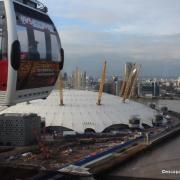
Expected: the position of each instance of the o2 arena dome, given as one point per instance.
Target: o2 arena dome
(80, 111)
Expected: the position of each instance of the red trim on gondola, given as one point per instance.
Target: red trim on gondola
(3, 74)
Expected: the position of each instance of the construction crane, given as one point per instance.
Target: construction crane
(101, 87)
(131, 82)
(61, 87)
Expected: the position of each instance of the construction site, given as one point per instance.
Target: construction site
(84, 155)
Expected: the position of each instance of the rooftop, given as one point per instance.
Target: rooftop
(81, 112)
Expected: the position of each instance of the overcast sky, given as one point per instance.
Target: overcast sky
(143, 31)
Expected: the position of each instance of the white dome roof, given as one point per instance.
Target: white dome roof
(81, 112)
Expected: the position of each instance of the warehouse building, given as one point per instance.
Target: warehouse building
(19, 129)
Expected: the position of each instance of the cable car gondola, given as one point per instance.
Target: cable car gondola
(31, 55)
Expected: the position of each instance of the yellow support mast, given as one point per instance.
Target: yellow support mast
(61, 87)
(130, 83)
(123, 87)
(138, 68)
(101, 88)
(127, 71)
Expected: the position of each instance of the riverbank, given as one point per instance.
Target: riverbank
(118, 154)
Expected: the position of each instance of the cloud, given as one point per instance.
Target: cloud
(155, 16)
(125, 30)
(86, 49)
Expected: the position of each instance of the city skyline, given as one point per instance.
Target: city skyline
(146, 32)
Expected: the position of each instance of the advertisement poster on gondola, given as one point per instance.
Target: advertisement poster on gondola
(40, 50)
(36, 74)
(39, 53)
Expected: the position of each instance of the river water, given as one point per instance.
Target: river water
(152, 163)
(165, 156)
(173, 105)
